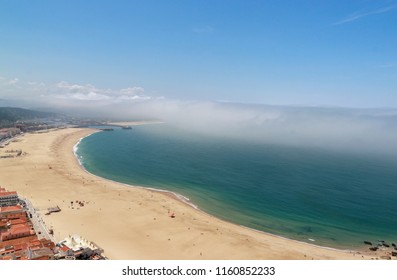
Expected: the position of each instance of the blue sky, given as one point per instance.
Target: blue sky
(314, 53)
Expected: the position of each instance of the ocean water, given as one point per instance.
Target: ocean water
(335, 199)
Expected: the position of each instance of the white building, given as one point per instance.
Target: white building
(80, 246)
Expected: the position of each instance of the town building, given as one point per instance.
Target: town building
(35, 249)
(8, 198)
(79, 248)
(18, 240)
(12, 212)
(17, 231)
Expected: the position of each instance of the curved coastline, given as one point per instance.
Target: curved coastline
(134, 223)
(76, 147)
(187, 200)
(175, 195)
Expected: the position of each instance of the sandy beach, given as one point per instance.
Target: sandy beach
(132, 222)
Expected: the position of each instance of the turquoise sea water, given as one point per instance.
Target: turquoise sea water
(337, 199)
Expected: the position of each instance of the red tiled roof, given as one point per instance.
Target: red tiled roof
(34, 243)
(10, 208)
(20, 228)
(4, 193)
(19, 247)
(18, 221)
(64, 248)
(23, 241)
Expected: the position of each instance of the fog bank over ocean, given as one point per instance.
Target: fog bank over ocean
(369, 130)
(372, 130)
(353, 129)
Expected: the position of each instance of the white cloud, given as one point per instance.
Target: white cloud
(90, 92)
(133, 97)
(132, 91)
(33, 83)
(74, 88)
(13, 81)
(360, 14)
(70, 93)
(89, 96)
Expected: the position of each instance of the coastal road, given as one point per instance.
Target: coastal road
(37, 221)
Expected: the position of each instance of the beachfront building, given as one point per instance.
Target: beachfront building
(8, 198)
(12, 212)
(65, 252)
(18, 240)
(18, 221)
(23, 220)
(79, 247)
(17, 231)
(14, 221)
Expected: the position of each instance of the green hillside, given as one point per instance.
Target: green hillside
(9, 115)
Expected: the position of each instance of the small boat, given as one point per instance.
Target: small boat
(126, 127)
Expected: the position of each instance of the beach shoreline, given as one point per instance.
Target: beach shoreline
(186, 200)
(143, 228)
(171, 194)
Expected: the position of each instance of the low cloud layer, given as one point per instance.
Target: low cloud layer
(369, 130)
(65, 93)
(89, 92)
(362, 130)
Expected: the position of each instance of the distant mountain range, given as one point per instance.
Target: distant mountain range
(10, 115)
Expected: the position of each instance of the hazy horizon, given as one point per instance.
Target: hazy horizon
(327, 72)
(344, 129)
